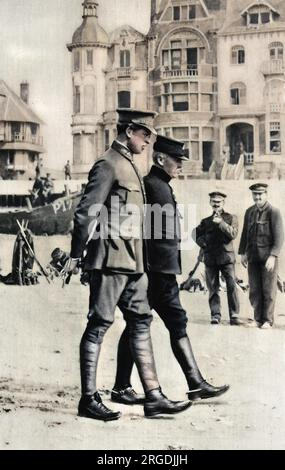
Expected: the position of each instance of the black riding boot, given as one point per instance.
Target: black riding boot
(155, 403)
(122, 391)
(198, 387)
(90, 405)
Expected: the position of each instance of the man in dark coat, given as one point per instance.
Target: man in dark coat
(110, 219)
(215, 236)
(164, 262)
(261, 242)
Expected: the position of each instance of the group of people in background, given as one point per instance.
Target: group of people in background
(260, 246)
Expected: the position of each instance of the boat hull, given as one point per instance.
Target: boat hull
(53, 219)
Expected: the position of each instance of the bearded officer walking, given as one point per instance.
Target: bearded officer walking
(261, 242)
(164, 263)
(215, 236)
(116, 265)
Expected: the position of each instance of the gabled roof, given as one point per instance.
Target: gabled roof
(12, 108)
(127, 31)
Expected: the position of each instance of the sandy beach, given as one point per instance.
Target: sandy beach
(41, 327)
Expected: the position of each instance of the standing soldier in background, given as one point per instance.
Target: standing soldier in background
(164, 263)
(115, 260)
(261, 242)
(215, 236)
(67, 170)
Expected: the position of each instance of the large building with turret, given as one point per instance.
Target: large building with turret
(213, 70)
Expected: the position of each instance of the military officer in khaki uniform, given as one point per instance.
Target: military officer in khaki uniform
(215, 236)
(110, 216)
(261, 242)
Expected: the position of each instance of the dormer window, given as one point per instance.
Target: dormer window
(259, 13)
(254, 18)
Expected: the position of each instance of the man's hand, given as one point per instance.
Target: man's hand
(270, 264)
(70, 267)
(217, 219)
(244, 261)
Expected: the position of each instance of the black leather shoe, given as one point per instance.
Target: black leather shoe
(127, 396)
(92, 407)
(156, 403)
(206, 390)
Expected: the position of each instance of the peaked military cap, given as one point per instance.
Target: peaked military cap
(142, 119)
(171, 147)
(218, 195)
(259, 188)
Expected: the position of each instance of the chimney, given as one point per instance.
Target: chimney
(24, 92)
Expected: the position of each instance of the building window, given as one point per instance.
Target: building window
(192, 12)
(238, 55)
(125, 58)
(176, 59)
(89, 57)
(76, 104)
(184, 96)
(34, 128)
(176, 13)
(182, 134)
(76, 61)
(165, 59)
(276, 51)
(265, 17)
(238, 94)
(89, 101)
(253, 18)
(180, 103)
(124, 99)
(107, 139)
(275, 137)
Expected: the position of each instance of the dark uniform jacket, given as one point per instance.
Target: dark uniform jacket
(262, 233)
(217, 240)
(163, 230)
(115, 183)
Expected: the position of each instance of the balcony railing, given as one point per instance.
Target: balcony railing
(272, 67)
(33, 139)
(202, 70)
(124, 72)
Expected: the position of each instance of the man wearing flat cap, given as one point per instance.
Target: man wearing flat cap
(109, 219)
(215, 236)
(164, 263)
(261, 242)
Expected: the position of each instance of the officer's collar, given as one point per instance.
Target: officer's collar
(263, 208)
(160, 173)
(122, 149)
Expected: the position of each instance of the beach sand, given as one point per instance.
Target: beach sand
(40, 331)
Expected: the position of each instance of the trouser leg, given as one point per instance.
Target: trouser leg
(269, 282)
(228, 271)
(256, 296)
(213, 284)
